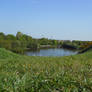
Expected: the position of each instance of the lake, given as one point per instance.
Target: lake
(51, 52)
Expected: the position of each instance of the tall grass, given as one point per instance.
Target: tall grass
(45, 74)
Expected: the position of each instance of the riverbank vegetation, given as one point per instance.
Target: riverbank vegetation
(22, 42)
(19, 73)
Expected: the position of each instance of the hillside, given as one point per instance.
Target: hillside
(20, 73)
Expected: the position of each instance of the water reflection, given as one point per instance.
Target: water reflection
(51, 52)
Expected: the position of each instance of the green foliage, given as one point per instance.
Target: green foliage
(22, 42)
(19, 35)
(19, 43)
(43, 41)
(2, 36)
(10, 37)
(45, 74)
(33, 44)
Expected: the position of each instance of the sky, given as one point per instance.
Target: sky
(53, 19)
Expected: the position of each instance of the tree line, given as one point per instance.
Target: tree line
(21, 42)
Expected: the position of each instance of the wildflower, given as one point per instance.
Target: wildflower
(5, 80)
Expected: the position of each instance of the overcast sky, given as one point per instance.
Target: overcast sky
(56, 19)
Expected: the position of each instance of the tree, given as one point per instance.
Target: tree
(2, 36)
(18, 46)
(19, 35)
(43, 41)
(10, 37)
(33, 44)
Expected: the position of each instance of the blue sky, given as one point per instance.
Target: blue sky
(56, 19)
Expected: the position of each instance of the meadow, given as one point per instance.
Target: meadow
(20, 73)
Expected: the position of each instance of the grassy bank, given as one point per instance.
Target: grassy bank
(45, 74)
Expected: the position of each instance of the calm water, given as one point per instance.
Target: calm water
(51, 52)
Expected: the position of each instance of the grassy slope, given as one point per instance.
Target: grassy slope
(45, 74)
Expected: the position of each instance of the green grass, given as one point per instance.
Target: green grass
(45, 74)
